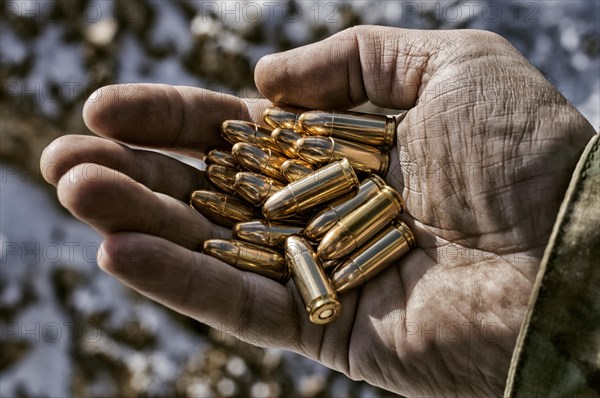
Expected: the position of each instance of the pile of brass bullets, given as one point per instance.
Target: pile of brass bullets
(292, 195)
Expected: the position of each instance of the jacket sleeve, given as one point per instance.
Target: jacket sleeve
(558, 348)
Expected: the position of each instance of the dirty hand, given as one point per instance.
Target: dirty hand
(482, 159)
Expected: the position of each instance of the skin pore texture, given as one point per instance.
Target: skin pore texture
(483, 159)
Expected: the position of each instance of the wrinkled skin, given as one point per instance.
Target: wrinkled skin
(485, 156)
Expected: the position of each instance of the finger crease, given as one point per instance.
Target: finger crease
(182, 119)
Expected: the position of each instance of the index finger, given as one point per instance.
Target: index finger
(178, 118)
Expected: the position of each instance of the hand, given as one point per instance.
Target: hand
(483, 159)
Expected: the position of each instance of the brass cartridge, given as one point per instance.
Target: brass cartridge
(306, 193)
(264, 232)
(311, 281)
(285, 139)
(255, 188)
(235, 131)
(260, 160)
(249, 257)
(335, 211)
(330, 265)
(286, 118)
(222, 177)
(387, 247)
(295, 169)
(223, 158)
(356, 228)
(222, 209)
(364, 158)
(364, 128)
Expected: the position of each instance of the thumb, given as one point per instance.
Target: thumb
(383, 65)
(390, 67)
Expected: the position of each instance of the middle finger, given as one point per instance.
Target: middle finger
(112, 202)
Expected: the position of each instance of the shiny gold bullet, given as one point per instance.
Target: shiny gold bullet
(264, 232)
(249, 257)
(222, 177)
(222, 209)
(325, 184)
(285, 139)
(259, 160)
(364, 128)
(384, 249)
(295, 169)
(222, 158)
(255, 188)
(286, 118)
(235, 131)
(356, 228)
(330, 265)
(364, 158)
(320, 299)
(335, 211)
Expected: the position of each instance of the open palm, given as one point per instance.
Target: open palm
(483, 158)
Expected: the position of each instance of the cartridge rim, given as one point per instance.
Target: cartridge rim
(286, 276)
(396, 198)
(385, 163)
(324, 309)
(406, 232)
(377, 180)
(390, 131)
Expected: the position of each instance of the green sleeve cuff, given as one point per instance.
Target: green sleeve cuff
(558, 348)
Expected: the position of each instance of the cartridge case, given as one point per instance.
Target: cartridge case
(222, 177)
(264, 232)
(249, 257)
(323, 185)
(364, 158)
(387, 247)
(285, 139)
(235, 131)
(320, 299)
(298, 219)
(356, 228)
(220, 157)
(330, 265)
(255, 188)
(222, 209)
(295, 169)
(286, 118)
(365, 128)
(335, 211)
(260, 160)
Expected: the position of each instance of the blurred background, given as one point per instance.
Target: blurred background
(66, 328)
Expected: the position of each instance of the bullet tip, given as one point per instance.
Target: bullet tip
(347, 276)
(337, 243)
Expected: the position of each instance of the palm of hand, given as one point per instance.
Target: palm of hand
(483, 159)
(482, 196)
